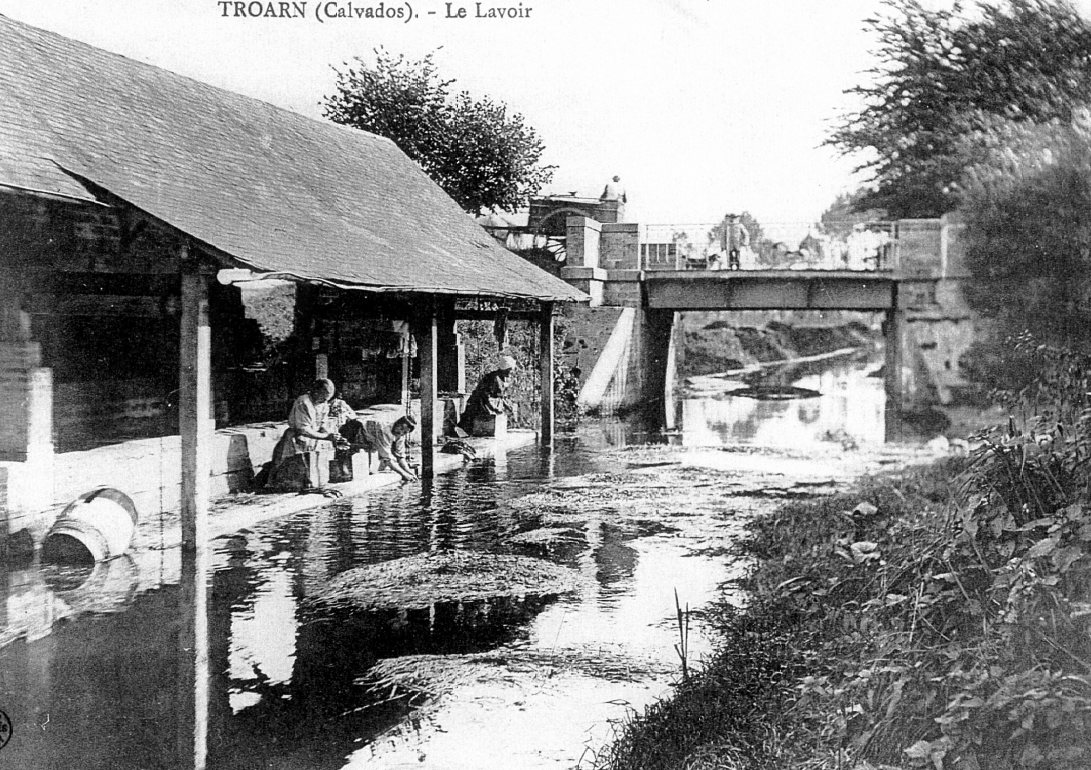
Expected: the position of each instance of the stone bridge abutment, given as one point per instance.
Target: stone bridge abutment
(926, 324)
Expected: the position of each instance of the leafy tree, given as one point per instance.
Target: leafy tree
(941, 75)
(846, 212)
(481, 154)
(1028, 228)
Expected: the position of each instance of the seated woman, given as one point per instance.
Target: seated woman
(298, 458)
(387, 441)
(487, 400)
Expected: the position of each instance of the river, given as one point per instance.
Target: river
(90, 672)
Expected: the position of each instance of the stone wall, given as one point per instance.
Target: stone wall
(619, 248)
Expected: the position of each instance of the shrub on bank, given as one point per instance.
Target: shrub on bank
(938, 617)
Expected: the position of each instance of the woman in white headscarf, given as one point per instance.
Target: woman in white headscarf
(487, 400)
(298, 455)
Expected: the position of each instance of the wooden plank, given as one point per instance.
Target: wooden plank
(488, 315)
(545, 363)
(194, 399)
(97, 305)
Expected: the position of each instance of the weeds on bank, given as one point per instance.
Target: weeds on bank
(938, 618)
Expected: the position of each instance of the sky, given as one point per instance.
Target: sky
(701, 106)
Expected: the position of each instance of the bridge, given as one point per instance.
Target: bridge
(770, 290)
(916, 283)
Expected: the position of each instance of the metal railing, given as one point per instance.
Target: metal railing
(778, 245)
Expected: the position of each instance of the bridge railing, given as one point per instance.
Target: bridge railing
(777, 245)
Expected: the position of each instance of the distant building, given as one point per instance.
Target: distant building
(549, 213)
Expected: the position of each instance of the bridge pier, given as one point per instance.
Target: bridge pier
(654, 334)
(895, 342)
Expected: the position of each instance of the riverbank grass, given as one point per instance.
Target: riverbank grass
(934, 617)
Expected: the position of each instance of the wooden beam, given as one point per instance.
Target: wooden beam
(406, 400)
(545, 361)
(451, 353)
(192, 702)
(429, 387)
(97, 305)
(194, 400)
(488, 315)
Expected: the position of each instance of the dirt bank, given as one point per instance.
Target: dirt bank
(718, 342)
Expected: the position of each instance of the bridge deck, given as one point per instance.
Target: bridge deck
(770, 290)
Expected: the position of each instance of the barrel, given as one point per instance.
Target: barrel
(96, 526)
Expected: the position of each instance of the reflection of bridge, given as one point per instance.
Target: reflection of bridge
(920, 288)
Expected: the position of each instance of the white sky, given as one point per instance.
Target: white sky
(702, 106)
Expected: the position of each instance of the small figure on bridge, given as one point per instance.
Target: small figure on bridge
(614, 191)
(734, 241)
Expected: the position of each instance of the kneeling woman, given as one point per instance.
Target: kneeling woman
(298, 458)
(391, 444)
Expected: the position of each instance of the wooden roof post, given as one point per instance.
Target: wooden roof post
(546, 364)
(192, 705)
(194, 401)
(425, 323)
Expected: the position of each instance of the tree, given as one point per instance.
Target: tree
(1026, 204)
(847, 211)
(942, 75)
(481, 154)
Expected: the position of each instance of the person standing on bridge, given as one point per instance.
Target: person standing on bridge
(734, 241)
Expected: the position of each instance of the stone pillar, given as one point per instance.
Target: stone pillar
(620, 246)
(654, 329)
(675, 351)
(582, 242)
(546, 357)
(894, 341)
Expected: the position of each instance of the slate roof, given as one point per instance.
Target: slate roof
(276, 191)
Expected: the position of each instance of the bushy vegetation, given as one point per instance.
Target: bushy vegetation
(1027, 236)
(940, 75)
(939, 617)
(482, 154)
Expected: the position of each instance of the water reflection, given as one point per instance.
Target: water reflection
(106, 668)
(850, 409)
(98, 666)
